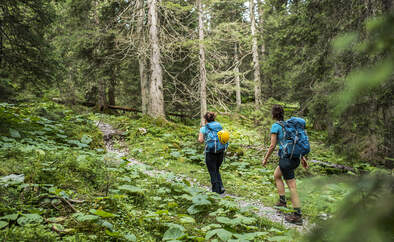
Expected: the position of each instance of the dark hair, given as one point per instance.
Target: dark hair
(278, 112)
(210, 116)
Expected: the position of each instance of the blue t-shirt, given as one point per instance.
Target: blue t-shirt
(277, 129)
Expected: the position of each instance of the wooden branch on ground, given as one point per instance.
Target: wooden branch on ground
(138, 111)
(332, 165)
(88, 104)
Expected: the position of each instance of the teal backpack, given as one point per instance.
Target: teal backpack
(212, 144)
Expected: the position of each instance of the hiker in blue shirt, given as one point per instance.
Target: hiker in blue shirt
(213, 158)
(285, 169)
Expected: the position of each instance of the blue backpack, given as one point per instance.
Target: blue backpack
(212, 144)
(295, 141)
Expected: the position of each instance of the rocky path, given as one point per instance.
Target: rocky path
(270, 213)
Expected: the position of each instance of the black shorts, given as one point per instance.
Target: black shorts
(287, 167)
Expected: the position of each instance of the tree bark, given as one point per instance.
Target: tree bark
(256, 66)
(203, 72)
(102, 97)
(112, 88)
(261, 25)
(156, 104)
(237, 79)
(141, 57)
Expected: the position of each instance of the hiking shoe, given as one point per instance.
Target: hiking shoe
(294, 218)
(222, 190)
(280, 204)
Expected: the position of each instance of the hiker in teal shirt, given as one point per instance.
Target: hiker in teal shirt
(213, 160)
(285, 169)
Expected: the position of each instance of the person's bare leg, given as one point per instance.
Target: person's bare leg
(279, 182)
(293, 193)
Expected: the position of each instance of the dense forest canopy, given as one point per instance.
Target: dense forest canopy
(169, 62)
(101, 52)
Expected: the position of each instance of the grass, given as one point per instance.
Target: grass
(73, 191)
(174, 147)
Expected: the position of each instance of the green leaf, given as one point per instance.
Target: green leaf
(221, 233)
(112, 234)
(81, 217)
(174, 232)
(279, 238)
(102, 213)
(10, 217)
(194, 209)
(107, 225)
(86, 139)
(3, 224)
(58, 227)
(250, 236)
(29, 219)
(187, 220)
(201, 200)
(14, 133)
(130, 237)
(224, 220)
(131, 189)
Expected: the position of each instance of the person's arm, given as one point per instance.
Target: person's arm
(201, 137)
(271, 149)
(304, 163)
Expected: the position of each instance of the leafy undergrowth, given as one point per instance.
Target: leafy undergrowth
(174, 147)
(57, 183)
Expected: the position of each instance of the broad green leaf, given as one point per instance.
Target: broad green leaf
(131, 189)
(187, 220)
(279, 238)
(224, 220)
(130, 237)
(12, 179)
(250, 236)
(112, 234)
(102, 213)
(14, 133)
(29, 219)
(201, 200)
(86, 139)
(58, 227)
(221, 233)
(107, 225)
(81, 217)
(3, 224)
(173, 233)
(194, 210)
(10, 217)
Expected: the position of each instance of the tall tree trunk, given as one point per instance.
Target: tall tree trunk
(156, 104)
(203, 72)
(142, 58)
(102, 104)
(261, 25)
(112, 87)
(237, 79)
(256, 66)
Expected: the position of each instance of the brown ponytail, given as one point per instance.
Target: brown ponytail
(210, 116)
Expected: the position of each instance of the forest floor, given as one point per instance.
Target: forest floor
(268, 212)
(66, 175)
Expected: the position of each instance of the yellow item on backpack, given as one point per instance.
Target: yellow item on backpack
(224, 136)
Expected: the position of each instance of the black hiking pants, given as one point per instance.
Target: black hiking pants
(214, 161)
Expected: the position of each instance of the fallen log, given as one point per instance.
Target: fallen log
(138, 111)
(88, 104)
(332, 165)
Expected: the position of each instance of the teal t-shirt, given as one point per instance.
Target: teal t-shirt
(277, 129)
(203, 130)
